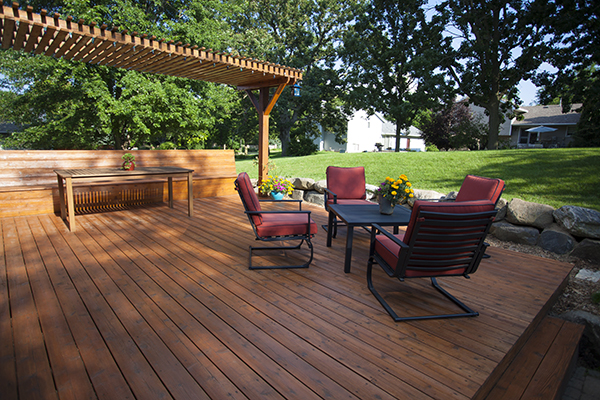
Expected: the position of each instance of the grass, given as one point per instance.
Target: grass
(555, 177)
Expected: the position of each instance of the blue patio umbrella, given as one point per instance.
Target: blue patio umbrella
(541, 129)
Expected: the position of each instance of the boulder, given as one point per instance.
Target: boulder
(522, 212)
(371, 192)
(425, 195)
(579, 221)
(587, 249)
(315, 197)
(450, 196)
(501, 206)
(298, 194)
(556, 239)
(303, 183)
(513, 233)
(320, 186)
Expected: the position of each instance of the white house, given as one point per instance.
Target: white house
(366, 132)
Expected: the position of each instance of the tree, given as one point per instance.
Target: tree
(392, 54)
(303, 34)
(67, 104)
(454, 128)
(497, 44)
(574, 33)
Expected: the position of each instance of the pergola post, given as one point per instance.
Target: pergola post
(264, 106)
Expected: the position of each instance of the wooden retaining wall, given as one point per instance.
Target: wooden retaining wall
(29, 186)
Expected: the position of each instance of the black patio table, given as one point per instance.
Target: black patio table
(363, 215)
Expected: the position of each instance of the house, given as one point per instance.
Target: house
(544, 126)
(371, 133)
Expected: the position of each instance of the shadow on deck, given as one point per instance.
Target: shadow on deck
(147, 303)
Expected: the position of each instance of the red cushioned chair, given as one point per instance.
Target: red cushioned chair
(441, 240)
(345, 186)
(480, 188)
(271, 226)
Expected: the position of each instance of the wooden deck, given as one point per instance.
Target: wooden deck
(149, 304)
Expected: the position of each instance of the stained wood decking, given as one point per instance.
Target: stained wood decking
(149, 304)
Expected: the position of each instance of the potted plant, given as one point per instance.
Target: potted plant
(276, 187)
(128, 162)
(392, 192)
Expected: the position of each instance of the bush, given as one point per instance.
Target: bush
(431, 147)
(302, 146)
(167, 146)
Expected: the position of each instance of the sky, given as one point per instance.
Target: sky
(527, 93)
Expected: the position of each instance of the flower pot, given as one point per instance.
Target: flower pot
(128, 166)
(276, 196)
(385, 206)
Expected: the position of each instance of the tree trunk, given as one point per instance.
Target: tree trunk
(494, 124)
(284, 136)
(398, 134)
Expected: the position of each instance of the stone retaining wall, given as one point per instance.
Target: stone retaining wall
(567, 230)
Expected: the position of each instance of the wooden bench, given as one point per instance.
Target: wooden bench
(542, 367)
(29, 185)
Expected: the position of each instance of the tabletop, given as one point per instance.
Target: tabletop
(366, 214)
(111, 172)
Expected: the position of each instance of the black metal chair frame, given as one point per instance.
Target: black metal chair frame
(424, 252)
(303, 238)
(335, 219)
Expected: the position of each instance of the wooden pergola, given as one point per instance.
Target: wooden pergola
(52, 36)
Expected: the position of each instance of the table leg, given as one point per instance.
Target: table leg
(61, 197)
(349, 238)
(170, 179)
(70, 203)
(190, 194)
(329, 230)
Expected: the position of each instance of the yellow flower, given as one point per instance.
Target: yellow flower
(404, 177)
(395, 186)
(407, 190)
(408, 184)
(399, 182)
(394, 193)
(411, 195)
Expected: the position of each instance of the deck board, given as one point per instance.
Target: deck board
(149, 303)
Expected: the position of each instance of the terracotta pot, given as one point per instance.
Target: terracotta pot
(128, 166)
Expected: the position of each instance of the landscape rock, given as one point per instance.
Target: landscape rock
(522, 212)
(556, 239)
(371, 189)
(450, 196)
(298, 194)
(513, 233)
(425, 195)
(303, 183)
(579, 221)
(501, 206)
(587, 249)
(591, 333)
(314, 197)
(320, 186)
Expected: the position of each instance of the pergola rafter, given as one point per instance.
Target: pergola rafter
(50, 35)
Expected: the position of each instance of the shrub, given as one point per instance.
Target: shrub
(302, 146)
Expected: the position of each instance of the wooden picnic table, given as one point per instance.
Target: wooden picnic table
(67, 176)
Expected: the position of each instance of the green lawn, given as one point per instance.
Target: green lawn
(549, 176)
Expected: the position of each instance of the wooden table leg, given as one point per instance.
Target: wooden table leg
(70, 203)
(170, 191)
(61, 197)
(190, 194)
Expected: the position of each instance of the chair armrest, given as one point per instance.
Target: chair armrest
(327, 191)
(377, 227)
(283, 201)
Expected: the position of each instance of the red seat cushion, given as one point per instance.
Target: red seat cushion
(285, 225)
(480, 188)
(246, 191)
(346, 183)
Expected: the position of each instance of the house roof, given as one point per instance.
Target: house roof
(548, 115)
(47, 34)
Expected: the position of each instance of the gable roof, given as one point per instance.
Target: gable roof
(548, 115)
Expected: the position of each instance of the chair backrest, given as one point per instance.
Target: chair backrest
(244, 187)
(347, 183)
(445, 238)
(480, 188)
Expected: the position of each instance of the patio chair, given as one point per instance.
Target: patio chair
(344, 186)
(269, 226)
(480, 188)
(441, 240)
